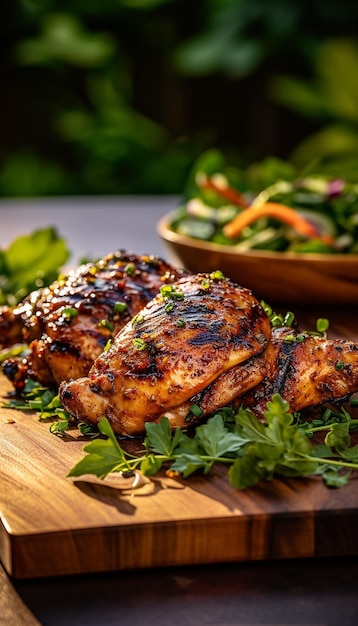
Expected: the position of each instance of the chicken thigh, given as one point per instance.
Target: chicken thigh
(192, 333)
(68, 324)
(306, 370)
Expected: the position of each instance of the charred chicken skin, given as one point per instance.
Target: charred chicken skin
(206, 342)
(68, 324)
(133, 338)
(188, 345)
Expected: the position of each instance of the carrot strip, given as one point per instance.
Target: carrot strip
(231, 194)
(270, 209)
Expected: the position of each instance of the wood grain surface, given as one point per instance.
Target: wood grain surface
(53, 525)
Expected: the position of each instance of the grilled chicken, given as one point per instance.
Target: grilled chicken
(68, 324)
(190, 344)
(133, 338)
(221, 392)
(306, 370)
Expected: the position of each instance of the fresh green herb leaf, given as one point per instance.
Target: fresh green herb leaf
(215, 439)
(151, 464)
(59, 428)
(332, 477)
(252, 450)
(338, 436)
(88, 430)
(46, 402)
(104, 456)
(350, 454)
(186, 464)
(161, 439)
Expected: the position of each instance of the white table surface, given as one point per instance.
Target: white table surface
(92, 226)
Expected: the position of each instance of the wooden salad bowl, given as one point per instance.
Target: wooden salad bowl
(276, 277)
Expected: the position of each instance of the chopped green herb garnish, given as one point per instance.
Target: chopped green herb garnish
(88, 430)
(45, 401)
(139, 344)
(277, 319)
(69, 312)
(59, 428)
(137, 319)
(322, 325)
(205, 283)
(196, 410)
(108, 345)
(130, 269)
(168, 291)
(106, 324)
(339, 365)
(217, 275)
(120, 307)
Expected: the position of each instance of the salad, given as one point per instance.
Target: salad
(269, 207)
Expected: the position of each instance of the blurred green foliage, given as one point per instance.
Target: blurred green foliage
(31, 262)
(121, 96)
(331, 96)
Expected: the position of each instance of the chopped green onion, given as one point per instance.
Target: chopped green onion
(69, 312)
(139, 344)
(196, 410)
(168, 291)
(106, 324)
(137, 319)
(130, 269)
(217, 275)
(322, 325)
(120, 307)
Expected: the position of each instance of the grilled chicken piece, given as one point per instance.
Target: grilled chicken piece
(306, 371)
(221, 392)
(69, 323)
(180, 345)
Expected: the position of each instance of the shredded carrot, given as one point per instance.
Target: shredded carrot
(231, 194)
(251, 213)
(270, 209)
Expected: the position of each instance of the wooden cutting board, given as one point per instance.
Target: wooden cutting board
(52, 525)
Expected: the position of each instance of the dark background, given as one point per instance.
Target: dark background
(122, 96)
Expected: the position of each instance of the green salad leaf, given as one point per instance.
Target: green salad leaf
(218, 193)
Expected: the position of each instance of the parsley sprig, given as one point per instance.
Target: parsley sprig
(46, 402)
(253, 451)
